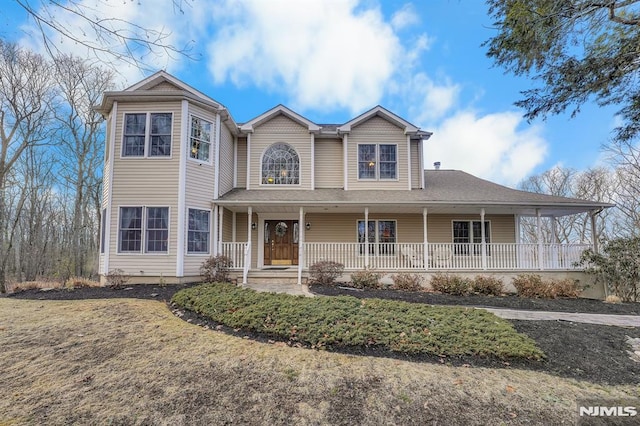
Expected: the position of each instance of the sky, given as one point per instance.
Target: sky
(330, 60)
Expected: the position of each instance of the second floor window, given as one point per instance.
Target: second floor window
(280, 165)
(200, 139)
(377, 161)
(147, 135)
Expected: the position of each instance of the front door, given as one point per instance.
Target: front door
(281, 242)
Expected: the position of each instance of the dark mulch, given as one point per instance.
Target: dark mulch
(594, 353)
(508, 301)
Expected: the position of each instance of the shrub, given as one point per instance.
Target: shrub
(80, 282)
(408, 282)
(216, 269)
(612, 298)
(450, 284)
(617, 267)
(325, 272)
(116, 278)
(531, 285)
(487, 284)
(365, 279)
(565, 288)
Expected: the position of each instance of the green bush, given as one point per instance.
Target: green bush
(451, 284)
(488, 285)
(365, 279)
(325, 272)
(407, 282)
(348, 322)
(617, 267)
(216, 269)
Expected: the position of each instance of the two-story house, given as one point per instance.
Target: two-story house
(183, 181)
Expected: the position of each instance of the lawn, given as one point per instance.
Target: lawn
(349, 323)
(129, 361)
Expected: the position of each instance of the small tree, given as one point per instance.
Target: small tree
(216, 269)
(617, 267)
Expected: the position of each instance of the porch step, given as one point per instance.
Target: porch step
(275, 276)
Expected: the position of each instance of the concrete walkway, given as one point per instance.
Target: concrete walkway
(602, 319)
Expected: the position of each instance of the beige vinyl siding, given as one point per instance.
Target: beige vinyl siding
(281, 129)
(415, 165)
(377, 130)
(226, 160)
(440, 227)
(241, 227)
(337, 227)
(145, 182)
(165, 86)
(227, 225)
(242, 163)
(328, 163)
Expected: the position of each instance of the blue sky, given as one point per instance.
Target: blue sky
(330, 60)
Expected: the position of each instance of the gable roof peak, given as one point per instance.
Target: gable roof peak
(380, 111)
(274, 112)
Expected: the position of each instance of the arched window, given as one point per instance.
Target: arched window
(280, 165)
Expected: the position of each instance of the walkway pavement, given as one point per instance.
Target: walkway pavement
(602, 319)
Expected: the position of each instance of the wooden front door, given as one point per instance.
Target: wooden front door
(281, 242)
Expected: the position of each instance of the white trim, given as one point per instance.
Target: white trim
(301, 239)
(195, 253)
(539, 238)
(112, 148)
(216, 180)
(425, 249)
(483, 239)
(147, 136)
(182, 189)
(214, 235)
(313, 164)
(366, 236)
(249, 231)
(517, 223)
(221, 227)
(286, 185)
(377, 178)
(345, 153)
(235, 161)
(409, 170)
(248, 185)
(421, 162)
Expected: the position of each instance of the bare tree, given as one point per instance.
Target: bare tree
(110, 40)
(625, 155)
(26, 91)
(80, 140)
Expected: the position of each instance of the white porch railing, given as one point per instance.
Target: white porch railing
(235, 252)
(445, 256)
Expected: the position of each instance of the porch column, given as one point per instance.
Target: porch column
(539, 238)
(247, 257)
(425, 244)
(220, 223)
(214, 244)
(555, 260)
(483, 241)
(366, 237)
(518, 239)
(301, 238)
(594, 232)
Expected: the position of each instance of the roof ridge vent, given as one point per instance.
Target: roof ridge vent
(436, 165)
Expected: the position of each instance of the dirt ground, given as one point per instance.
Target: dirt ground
(594, 353)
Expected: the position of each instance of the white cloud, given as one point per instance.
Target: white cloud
(338, 54)
(493, 146)
(428, 100)
(405, 17)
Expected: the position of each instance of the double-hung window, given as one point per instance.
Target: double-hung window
(377, 161)
(382, 236)
(467, 233)
(199, 229)
(200, 139)
(147, 135)
(146, 227)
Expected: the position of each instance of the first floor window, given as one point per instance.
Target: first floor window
(200, 139)
(198, 235)
(468, 232)
(150, 224)
(157, 229)
(382, 236)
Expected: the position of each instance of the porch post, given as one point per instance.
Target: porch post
(220, 220)
(555, 261)
(425, 244)
(483, 241)
(539, 238)
(301, 238)
(594, 232)
(366, 237)
(247, 257)
(518, 222)
(214, 245)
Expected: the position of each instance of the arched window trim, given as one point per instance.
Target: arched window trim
(292, 167)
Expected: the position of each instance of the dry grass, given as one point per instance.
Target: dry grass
(13, 287)
(133, 362)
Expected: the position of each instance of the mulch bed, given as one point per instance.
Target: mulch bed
(595, 353)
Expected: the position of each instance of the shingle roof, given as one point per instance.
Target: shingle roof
(443, 187)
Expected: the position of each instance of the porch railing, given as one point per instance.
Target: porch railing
(236, 253)
(446, 256)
